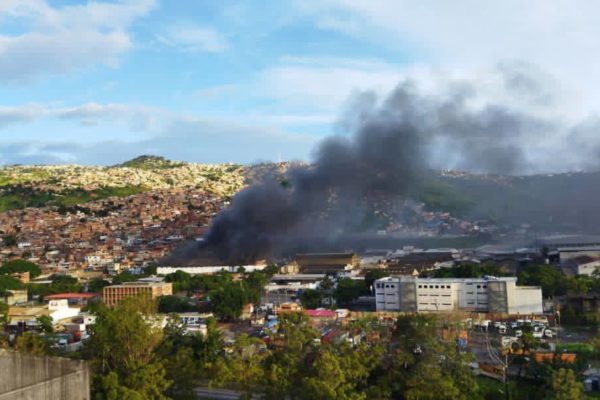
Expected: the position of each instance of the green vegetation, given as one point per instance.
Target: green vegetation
(7, 282)
(18, 265)
(122, 351)
(469, 270)
(565, 385)
(17, 197)
(59, 284)
(174, 304)
(227, 297)
(439, 196)
(348, 290)
(96, 285)
(149, 162)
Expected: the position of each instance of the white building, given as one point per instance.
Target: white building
(208, 270)
(490, 294)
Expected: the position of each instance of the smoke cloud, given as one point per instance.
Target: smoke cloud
(384, 150)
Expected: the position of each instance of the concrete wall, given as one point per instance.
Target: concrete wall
(498, 297)
(527, 300)
(26, 377)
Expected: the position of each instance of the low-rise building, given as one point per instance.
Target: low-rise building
(580, 265)
(490, 294)
(322, 263)
(14, 297)
(115, 293)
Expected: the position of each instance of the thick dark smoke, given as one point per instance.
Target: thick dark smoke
(388, 150)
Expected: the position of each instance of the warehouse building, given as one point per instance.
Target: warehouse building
(489, 294)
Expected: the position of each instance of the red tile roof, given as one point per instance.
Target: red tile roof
(320, 313)
(60, 296)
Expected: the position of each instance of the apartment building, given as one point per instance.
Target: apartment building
(115, 293)
(489, 294)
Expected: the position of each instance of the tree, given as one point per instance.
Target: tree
(311, 298)
(371, 276)
(19, 265)
(121, 349)
(341, 372)
(348, 290)
(228, 301)
(46, 324)
(174, 304)
(552, 281)
(427, 366)
(565, 385)
(123, 277)
(181, 281)
(271, 270)
(7, 283)
(242, 364)
(256, 282)
(32, 343)
(96, 285)
(292, 348)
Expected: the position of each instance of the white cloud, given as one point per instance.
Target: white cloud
(194, 39)
(324, 83)
(21, 114)
(559, 36)
(62, 39)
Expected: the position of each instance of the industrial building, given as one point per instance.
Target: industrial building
(490, 294)
(323, 263)
(115, 293)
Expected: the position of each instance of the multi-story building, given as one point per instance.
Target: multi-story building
(489, 294)
(115, 293)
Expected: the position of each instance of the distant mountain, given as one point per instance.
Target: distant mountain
(150, 162)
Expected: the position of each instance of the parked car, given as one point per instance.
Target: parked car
(518, 333)
(549, 333)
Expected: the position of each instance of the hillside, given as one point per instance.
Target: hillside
(38, 186)
(560, 202)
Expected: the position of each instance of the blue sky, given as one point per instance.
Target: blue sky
(243, 81)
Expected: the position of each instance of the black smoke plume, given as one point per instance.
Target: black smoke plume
(386, 151)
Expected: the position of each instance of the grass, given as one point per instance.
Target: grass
(575, 348)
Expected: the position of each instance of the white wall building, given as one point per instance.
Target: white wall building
(208, 270)
(498, 295)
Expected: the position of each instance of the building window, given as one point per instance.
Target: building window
(485, 286)
(478, 286)
(420, 286)
(437, 286)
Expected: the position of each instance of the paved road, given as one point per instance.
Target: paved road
(217, 394)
